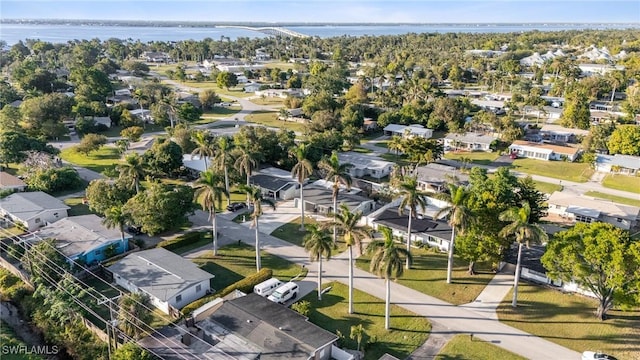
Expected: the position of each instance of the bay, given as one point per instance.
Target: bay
(55, 33)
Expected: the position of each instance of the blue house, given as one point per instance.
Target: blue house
(84, 238)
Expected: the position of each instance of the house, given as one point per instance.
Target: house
(543, 151)
(495, 106)
(102, 120)
(142, 114)
(598, 69)
(366, 165)
(195, 164)
(84, 238)
(434, 177)
(252, 87)
(411, 130)
(318, 199)
(560, 134)
(588, 209)
(369, 125)
(154, 56)
(424, 229)
(122, 92)
(10, 182)
(622, 164)
(275, 187)
(170, 281)
(469, 141)
(32, 209)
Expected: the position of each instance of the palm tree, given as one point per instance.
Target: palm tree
(222, 160)
(353, 234)
(318, 244)
(301, 171)
(524, 232)
(412, 198)
(396, 143)
(133, 314)
(115, 218)
(254, 194)
(203, 148)
(133, 168)
(459, 217)
(386, 262)
(209, 193)
(246, 161)
(338, 174)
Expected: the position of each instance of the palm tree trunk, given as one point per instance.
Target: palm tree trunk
(387, 304)
(226, 184)
(409, 238)
(350, 279)
(516, 279)
(257, 246)
(248, 184)
(137, 184)
(214, 231)
(450, 257)
(335, 212)
(301, 208)
(205, 162)
(320, 277)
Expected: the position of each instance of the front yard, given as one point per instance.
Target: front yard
(98, 161)
(291, 232)
(270, 119)
(562, 170)
(461, 347)
(622, 182)
(474, 157)
(616, 199)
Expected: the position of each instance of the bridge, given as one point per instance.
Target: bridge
(269, 30)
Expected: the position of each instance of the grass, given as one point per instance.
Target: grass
(361, 150)
(476, 157)
(290, 232)
(205, 239)
(382, 144)
(547, 188)
(77, 207)
(114, 131)
(622, 182)
(10, 340)
(268, 101)
(428, 275)
(398, 159)
(563, 170)
(461, 347)
(235, 262)
(408, 330)
(211, 84)
(270, 118)
(97, 161)
(216, 113)
(616, 199)
(569, 320)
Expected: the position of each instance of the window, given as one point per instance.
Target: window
(37, 221)
(619, 219)
(198, 288)
(178, 298)
(584, 219)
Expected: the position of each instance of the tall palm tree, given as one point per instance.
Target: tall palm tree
(301, 171)
(338, 174)
(318, 244)
(353, 234)
(396, 143)
(115, 219)
(256, 200)
(222, 160)
(459, 217)
(209, 192)
(133, 168)
(386, 262)
(246, 161)
(412, 198)
(525, 232)
(204, 147)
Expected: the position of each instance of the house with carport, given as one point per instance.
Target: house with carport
(543, 151)
(469, 141)
(572, 208)
(618, 164)
(32, 210)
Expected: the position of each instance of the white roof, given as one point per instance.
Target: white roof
(414, 129)
(625, 161)
(471, 138)
(563, 130)
(274, 171)
(589, 206)
(27, 205)
(364, 161)
(488, 103)
(194, 162)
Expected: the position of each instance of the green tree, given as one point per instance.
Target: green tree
(209, 193)
(256, 200)
(54, 179)
(246, 161)
(625, 140)
(133, 169)
(116, 218)
(103, 194)
(600, 258)
(132, 133)
(134, 314)
(163, 158)
(90, 142)
(357, 333)
(301, 171)
(576, 112)
(187, 112)
(413, 199)
(130, 351)
(226, 80)
(337, 173)
(318, 244)
(525, 233)
(208, 98)
(40, 257)
(222, 160)
(386, 262)
(204, 147)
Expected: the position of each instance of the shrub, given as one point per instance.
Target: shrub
(180, 241)
(302, 307)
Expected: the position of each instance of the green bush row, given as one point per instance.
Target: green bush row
(180, 241)
(245, 285)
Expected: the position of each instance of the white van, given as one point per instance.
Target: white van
(284, 293)
(266, 287)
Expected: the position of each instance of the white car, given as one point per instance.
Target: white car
(594, 355)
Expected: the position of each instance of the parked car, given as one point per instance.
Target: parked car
(594, 355)
(284, 293)
(134, 230)
(235, 206)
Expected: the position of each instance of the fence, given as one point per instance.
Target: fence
(16, 271)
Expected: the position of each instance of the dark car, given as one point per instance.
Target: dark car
(134, 230)
(235, 206)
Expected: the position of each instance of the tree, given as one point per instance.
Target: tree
(301, 171)
(353, 234)
(163, 158)
(54, 179)
(133, 169)
(38, 259)
(222, 160)
(576, 111)
(187, 112)
(134, 314)
(625, 140)
(116, 218)
(254, 194)
(396, 143)
(208, 98)
(246, 161)
(413, 199)
(130, 351)
(204, 147)
(209, 194)
(525, 233)
(599, 257)
(132, 133)
(338, 173)
(318, 244)
(103, 194)
(226, 80)
(357, 333)
(386, 262)
(90, 142)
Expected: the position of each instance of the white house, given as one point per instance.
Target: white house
(496, 106)
(275, 187)
(411, 130)
(623, 164)
(122, 92)
(32, 209)
(319, 199)
(424, 229)
(142, 114)
(588, 209)
(366, 165)
(469, 141)
(598, 69)
(252, 87)
(557, 133)
(434, 177)
(10, 182)
(170, 281)
(543, 151)
(195, 164)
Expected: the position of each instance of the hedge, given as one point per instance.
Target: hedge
(245, 285)
(180, 241)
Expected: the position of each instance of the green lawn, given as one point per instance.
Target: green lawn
(622, 182)
(216, 113)
(398, 159)
(382, 144)
(270, 118)
(461, 347)
(428, 275)
(235, 262)
(97, 161)
(291, 232)
(547, 188)
(569, 320)
(235, 91)
(268, 101)
(476, 157)
(617, 199)
(9, 339)
(205, 239)
(408, 330)
(114, 131)
(77, 207)
(563, 170)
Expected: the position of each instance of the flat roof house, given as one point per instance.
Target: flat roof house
(404, 130)
(469, 141)
(434, 177)
(543, 151)
(10, 182)
(366, 165)
(622, 164)
(33, 209)
(170, 281)
(587, 209)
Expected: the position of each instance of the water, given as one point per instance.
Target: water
(12, 33)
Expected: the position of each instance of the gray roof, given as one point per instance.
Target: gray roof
(437, 173)
(269, 182)
(472, 138)
(364, 161)
(590, 206)
(426, 225)
(27, 205)
(625, 161)
(159, 272)
(321, 196)
(78, 234)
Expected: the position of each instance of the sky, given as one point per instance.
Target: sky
(351, 11)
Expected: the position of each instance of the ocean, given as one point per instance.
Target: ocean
(12, 33)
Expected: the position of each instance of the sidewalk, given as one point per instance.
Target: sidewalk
(490, 298)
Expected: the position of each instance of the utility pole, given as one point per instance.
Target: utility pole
(111, 327)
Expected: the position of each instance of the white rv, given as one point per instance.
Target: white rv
(266, 287)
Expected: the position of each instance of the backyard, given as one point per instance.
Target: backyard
(562, 170)
(622, 182)
(77, 207)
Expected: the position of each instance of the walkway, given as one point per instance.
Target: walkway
(490, 298)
